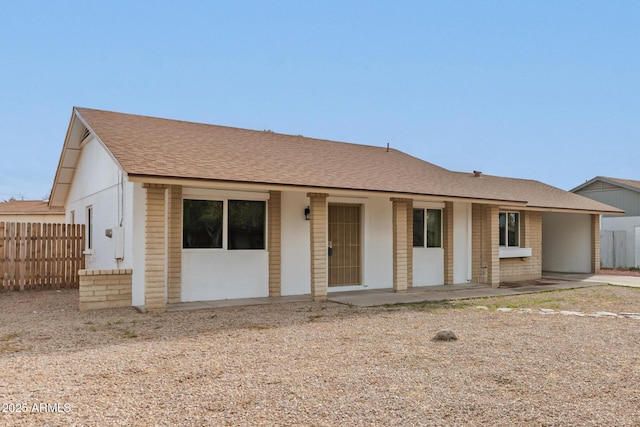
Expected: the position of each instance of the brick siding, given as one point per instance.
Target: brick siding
(274, 233)
(485, 260)
(528, 268)
(174, 245)
(409, 243)
(318, 232)
(400, 257)
(155, 256)
(104, 289)
(595, 243)
(447, 242)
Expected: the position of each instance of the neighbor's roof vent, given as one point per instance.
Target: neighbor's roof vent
(477, 174)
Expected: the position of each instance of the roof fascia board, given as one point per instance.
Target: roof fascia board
(247, 186)
(563, 210)
(65, 146)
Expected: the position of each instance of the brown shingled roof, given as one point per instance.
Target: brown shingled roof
(155, 147)
(627, 182)
(28, 207)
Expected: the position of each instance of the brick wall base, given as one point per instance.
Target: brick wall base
(104, 289)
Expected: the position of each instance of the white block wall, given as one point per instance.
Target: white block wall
(566, 242)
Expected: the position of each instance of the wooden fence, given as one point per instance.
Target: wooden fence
(40, 256)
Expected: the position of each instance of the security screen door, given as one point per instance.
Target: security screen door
(345, 242)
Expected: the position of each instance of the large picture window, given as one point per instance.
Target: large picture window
(509, 229)
(246, 224)
(202, 224)
(427, 228)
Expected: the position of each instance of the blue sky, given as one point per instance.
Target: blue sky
(545, 90)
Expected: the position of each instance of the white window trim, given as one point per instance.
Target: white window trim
(89, 220)
(434, 207)
(513, 251)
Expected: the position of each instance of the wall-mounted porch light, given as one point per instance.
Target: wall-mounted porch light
(307, 213)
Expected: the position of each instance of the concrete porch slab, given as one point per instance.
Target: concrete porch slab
(378, 297)
(199, 305)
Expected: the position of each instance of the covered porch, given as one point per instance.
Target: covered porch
(470, 247)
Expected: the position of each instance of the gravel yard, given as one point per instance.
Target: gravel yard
(322, 364)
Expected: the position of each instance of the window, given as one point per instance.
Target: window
(246, 224)
(418, 228)
(509, 229)
(434, 228)
(89, 225)
(427, 231)
(72, 217)
(202, 224)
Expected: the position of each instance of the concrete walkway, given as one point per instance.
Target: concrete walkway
(612, 279)
(377, 297)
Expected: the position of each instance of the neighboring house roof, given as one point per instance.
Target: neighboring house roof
(29, 207)
(629, 184)
(148, 147)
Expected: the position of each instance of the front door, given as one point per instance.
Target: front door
(345, 251)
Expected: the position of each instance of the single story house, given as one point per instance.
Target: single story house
(31, 211)
(180, 211)
(620, 235)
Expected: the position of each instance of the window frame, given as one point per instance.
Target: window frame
(229, 228)
(425, 228)
(225, 199)
(505, 235)
(89, 227)
(222, 220)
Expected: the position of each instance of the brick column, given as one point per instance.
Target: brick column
(273, 244)
(155, 251)
(447, 242)
(409, 243)
(595, 243)
(174, 245)
(318, 237)
(400, 257)
(491, 244)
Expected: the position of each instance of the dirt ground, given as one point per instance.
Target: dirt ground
(323, 364)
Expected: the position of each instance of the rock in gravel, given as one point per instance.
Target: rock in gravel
(605, 314)
(631, 315)
(572, 313)
(445, 335)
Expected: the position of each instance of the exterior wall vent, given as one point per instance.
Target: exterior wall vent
(85, 134)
